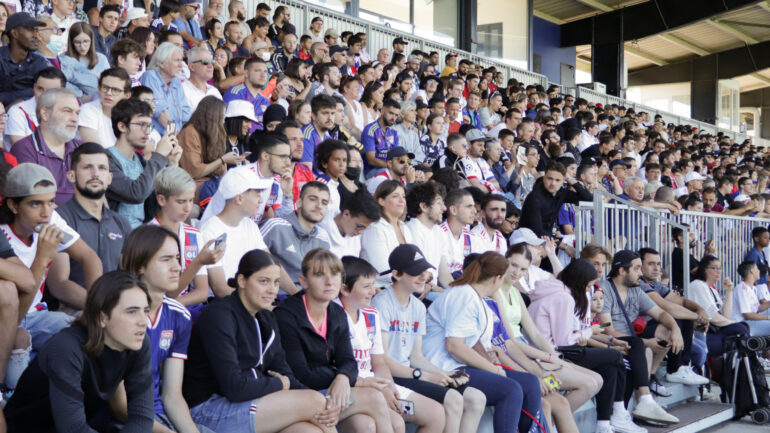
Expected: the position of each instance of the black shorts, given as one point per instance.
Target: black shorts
(428, 389)
(649, 330)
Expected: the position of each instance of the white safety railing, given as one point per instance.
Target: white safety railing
(380, 36)
(619, 224)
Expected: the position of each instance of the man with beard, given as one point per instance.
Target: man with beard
(378, 138)
(493, 208)
(103, 229)
(249, 91)
(459, 241)
(327, 82)
(19, 61)
(238, 15)
(234, 38)
(398, 168)
(188, 27)
(301, 173)
(425, 206)
(290, 239)
(323, 107)
(53, 141)
(132, 173)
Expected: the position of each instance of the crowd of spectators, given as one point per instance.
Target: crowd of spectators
(219, 222)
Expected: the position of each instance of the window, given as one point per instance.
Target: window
(490, 40)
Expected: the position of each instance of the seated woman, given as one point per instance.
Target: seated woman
(579, 383)
(79, 368)
(316, 338)
(560, 310)
(459, 335)
(364, 323)
(236, 378)
(747, 305)
(82, 65)
(704, 292)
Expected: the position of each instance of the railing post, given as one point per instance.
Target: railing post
(598, 219)
(306, 17)
(686, 261)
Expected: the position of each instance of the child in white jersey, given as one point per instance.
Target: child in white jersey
(366, 338)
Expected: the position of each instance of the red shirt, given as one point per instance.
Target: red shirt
(454, 126)
(302, 175)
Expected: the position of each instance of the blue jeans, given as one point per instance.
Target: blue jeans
(222, 415)
(509, 395)
(715, 340)
(43, 325)
(699, 349)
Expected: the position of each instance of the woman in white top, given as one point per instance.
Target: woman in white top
(357, 116)
(704, 292)
(459, 335)
(390, 231)
(371, 100)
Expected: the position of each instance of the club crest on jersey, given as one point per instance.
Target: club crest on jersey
(190, 252)
(165, 339)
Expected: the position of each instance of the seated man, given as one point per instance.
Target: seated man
(242, 192)
(397, 168)
(22, 117)
(748, 306)
(378, 138)
(290, 238)
(37, 233)
(344, 230)
(687, 313)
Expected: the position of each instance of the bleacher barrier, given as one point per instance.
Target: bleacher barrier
(619, 224)
(379, 36)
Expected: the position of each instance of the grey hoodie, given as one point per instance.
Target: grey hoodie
(289, 242)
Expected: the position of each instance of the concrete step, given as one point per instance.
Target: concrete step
(696, 416)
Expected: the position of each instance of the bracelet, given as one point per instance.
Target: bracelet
(612, 338)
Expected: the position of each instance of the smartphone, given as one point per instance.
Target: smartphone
(662, 343)
(407, 407)
(220, 240)
(171, 128)
(458, 374)
(66, 237)
(551, 381)
(605, 324)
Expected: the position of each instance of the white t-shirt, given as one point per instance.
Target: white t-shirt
(457, 312)
(19, 116)
(455, 250)
(240, 240)
(403, 324)
(430, 241)
(194, 94)
(340, 245)
(91, 116)
(534, 274)
(745, 300)
(366, 339)
(497, 244)
(26, 253)
(377, 242)
(708, 298)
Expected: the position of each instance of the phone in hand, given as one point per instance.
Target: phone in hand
(662, 343)
(220, 240)
(605, 324)
(66, 237)
(171, 128)
(407, 407)
(458, 374)
(551, 381)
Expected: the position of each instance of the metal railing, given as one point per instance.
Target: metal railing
(379, 36)
(618, 224)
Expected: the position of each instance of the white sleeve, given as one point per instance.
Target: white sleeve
(209, 232)
(373, 183)
(743, 301)
(698, 293)
(377, 348)
(59, 222)
(88, 116)
(472, 170)
(373, 247)
(17, 123)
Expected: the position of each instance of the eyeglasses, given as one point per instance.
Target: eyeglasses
(205, 62)
(145, 126)
(111, 90)
(286, 157)
(88, 42)
(405, 161)
(54, 30)
(220, 56)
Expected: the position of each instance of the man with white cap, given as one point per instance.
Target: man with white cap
(538, 248)
(201, 65)
(693, 182)
(135, 17)
(241, 192)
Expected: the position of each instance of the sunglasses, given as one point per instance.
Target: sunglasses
(204, 62)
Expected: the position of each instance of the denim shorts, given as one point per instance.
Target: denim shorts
(163, 419)
(224, 416)
(43, 325)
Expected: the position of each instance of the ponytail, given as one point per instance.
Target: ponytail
(488, 265)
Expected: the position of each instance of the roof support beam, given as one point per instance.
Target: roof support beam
(547, 17)
(645, 55)
(684, 44)
(733, 31)
(760, 77)
(596, 5)
(765, 5)
(649, 18)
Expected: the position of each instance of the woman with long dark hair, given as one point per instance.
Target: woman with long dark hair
(560, 309)
(73, 375)
(147, 38)
(237, 379)
(704, 292)
(372, 98)
(459, 336)
(203, 140)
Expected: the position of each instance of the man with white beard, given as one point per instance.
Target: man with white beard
(53, 141)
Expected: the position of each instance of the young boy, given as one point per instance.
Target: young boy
(747, 304)
(175, 192)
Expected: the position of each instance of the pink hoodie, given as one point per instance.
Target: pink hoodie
(553, 311)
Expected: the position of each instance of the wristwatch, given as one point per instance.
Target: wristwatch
(417, 373)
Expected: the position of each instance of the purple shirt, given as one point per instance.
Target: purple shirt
(33, 149)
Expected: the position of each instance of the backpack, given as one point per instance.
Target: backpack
(742, 378)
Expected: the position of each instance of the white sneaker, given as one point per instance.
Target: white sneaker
(651, 411)
(622, 423)
(604, 429)
(686, 376)
(765, 363)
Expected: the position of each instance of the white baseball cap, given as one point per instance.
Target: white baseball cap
(134, 14)
(240, 108)
(693, 175)
(239, 180)
(527, 236)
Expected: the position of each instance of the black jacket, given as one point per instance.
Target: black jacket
(541, 209)
(224, 354)
(315, 361)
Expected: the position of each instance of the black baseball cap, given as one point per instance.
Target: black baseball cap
(400, 40)
(407, 258)
(623, 258)
(398, 151)
(22, 19)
